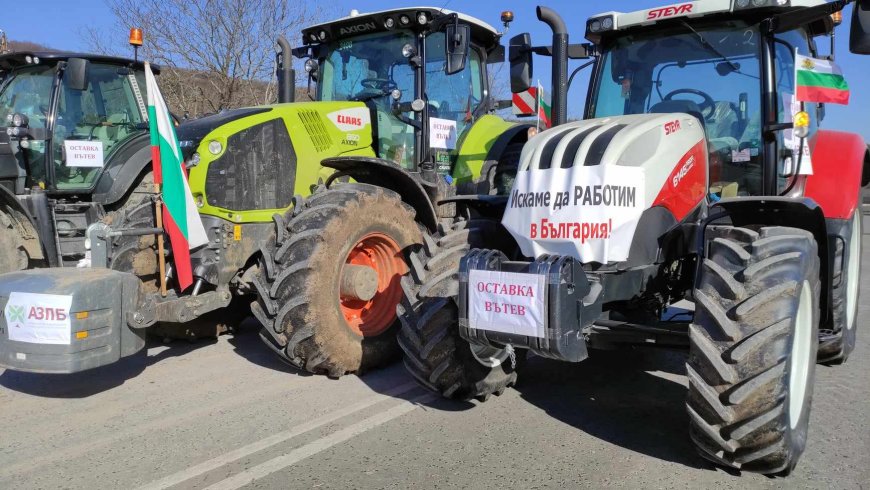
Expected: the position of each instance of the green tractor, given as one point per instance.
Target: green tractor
(74, 150)
(311, 208)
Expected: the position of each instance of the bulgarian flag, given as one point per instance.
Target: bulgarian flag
(181, 220)
(820, 81)
(543, 108)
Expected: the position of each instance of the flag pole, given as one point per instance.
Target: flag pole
(538, 106)
(161, 258)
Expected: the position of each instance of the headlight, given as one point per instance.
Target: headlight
(310, 65)
(408, 50)
(19, 120)
(215, 147)
(193, 161)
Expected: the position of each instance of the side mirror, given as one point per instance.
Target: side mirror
(859, 38)
(520, 57)
(76, 73)
(456, 47)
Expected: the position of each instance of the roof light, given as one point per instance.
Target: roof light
(354, 13)
(390, 22)
(404, 20)
(507, 17)
(601, 24)
(837, 17)
(28, 59)
(422, 18)
(313, 37)
(322, 35)
(135, 36)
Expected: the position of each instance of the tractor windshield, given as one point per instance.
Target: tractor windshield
(711, 73)
(369, 68)
(101, 118)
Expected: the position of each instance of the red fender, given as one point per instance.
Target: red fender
(838, 165)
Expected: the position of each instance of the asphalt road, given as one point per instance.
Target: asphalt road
(228, 415)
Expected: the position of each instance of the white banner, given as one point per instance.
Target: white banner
(507, 302)
(81, 153)
(791, 107)
(442, 134)
(589, 213)
(39, 318)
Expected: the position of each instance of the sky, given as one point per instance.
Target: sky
(60, 23)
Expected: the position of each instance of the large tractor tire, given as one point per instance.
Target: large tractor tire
(435, 354)
(13, 254)
(837, 340)
(136, 254)
(329, 285)
(753, 347)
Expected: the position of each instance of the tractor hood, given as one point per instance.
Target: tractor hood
(190, 133)
(582, 187)
(245, 165)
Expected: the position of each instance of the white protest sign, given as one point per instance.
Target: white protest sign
(589, 213)
(39, 318)
(507, 302)
(791, 107)
(442, 133)
(83, 153)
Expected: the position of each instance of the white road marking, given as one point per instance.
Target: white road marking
(279, 463)
(215, 463)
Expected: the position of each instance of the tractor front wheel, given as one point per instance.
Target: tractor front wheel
(329, 286)
(13, 256)
(435, 354)
(753, 347)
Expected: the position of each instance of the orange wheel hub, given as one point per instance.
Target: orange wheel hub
(382, 254)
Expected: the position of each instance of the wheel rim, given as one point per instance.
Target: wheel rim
(488, 356)
(374, 316)
(853, 274)
(800, 355)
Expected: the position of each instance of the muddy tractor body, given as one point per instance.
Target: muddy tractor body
(310, 206)
(698, 205)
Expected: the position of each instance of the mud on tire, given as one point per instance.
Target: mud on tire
(305, 319)
(435, 354)
(13, 253)
(136, 254)
(837, 340)
(753, 345)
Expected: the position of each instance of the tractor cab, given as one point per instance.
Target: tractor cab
(731, 64)
(420, 71)
(65, 117)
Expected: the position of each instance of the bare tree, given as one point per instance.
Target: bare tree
(215, 54)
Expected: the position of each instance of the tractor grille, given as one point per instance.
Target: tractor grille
(257, 170)
(313, 124)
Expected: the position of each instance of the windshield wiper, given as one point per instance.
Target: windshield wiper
(709, 47)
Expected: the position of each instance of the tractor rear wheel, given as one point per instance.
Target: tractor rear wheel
(435, 354)
(328, 287)
(752, 347)
(13, 255)
(837, 340)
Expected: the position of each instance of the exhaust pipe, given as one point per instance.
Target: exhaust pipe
(560, 63)
(285, 73)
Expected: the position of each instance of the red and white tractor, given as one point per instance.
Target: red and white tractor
(696, 176)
